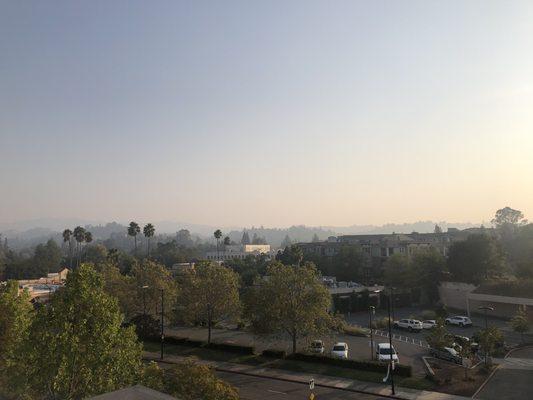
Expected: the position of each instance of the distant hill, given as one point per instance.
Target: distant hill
(30, 233)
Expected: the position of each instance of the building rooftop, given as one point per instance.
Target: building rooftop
(137, 392)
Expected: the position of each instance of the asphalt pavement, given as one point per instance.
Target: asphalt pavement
(359, 347)
(512, 379)
(257, 388)
(478, 322)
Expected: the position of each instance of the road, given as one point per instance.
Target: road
(512, 379)
(359, 347)
(257, 388)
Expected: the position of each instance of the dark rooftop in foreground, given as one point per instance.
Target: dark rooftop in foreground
(137, 392)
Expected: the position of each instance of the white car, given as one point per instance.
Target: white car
(410, 324)
(340, 350)
(429, 324)
(383, 353)
(459, 320)
(317, 347)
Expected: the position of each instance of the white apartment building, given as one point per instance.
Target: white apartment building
(239, 251)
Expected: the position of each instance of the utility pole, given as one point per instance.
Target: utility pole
(390, 343)
(372, 311)
(162, 321)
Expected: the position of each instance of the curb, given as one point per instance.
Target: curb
(389, 396)
(479, 389)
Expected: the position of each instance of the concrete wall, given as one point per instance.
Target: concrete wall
(454, 294)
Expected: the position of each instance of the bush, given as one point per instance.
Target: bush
(428, 314)
(232, 348)
(274, 353)
(229, 347)
(183, 341)
(355, 331)
(373, 366)
(381, 323)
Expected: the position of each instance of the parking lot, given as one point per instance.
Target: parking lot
(512, 379)
(359, 347)
(362, 319)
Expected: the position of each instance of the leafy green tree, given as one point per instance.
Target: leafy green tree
(227, 241)
(489, 339)
(475, 259)
(291, 301)
(47, 258)
(398, 272)
(133, 230)
(149, 232)
(188, 380)
(291, 255)
(149, 279)
(16, 313)
(428, 268)
(217, 234)
(520, 323)
(286, 242)
(507, 220)
(67, 237)
(208, 294)
(250, 268)
(245, 238)
(79, 236)
(77, 346)
(96, 254)
(439, 338)
(349, 263)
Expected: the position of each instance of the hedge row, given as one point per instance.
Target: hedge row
(233, 348)
(274, 353)
(374, 366)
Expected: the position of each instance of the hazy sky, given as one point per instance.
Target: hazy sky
(266, 112)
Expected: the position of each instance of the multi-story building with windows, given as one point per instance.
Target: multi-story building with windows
(239, 251)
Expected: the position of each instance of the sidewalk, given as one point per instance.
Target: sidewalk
(320, 380)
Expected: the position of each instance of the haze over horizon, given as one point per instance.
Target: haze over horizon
(233, 114)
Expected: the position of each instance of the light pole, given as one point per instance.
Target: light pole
(162, 321)
(390, 342)
(143, 323)
(485, 309)
(371, 313)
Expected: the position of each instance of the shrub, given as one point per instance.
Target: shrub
(232, 348)
(381, 323)
(428, 314)
(373, 366)
(183, 341)
(355, 331)
(274, 353)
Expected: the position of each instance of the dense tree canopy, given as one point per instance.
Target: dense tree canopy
(291, 300)
(208, 294)
(476, 259)
(77, 346)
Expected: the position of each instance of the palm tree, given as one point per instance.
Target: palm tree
(148, 232)
(79, 235)
(67, 237)
(133, 230)
(88, 237)
(217, 234)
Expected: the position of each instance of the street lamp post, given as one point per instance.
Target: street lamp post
(371, 313)
(162, 321)
(143, 288)
(485, 309)
(390, 342)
